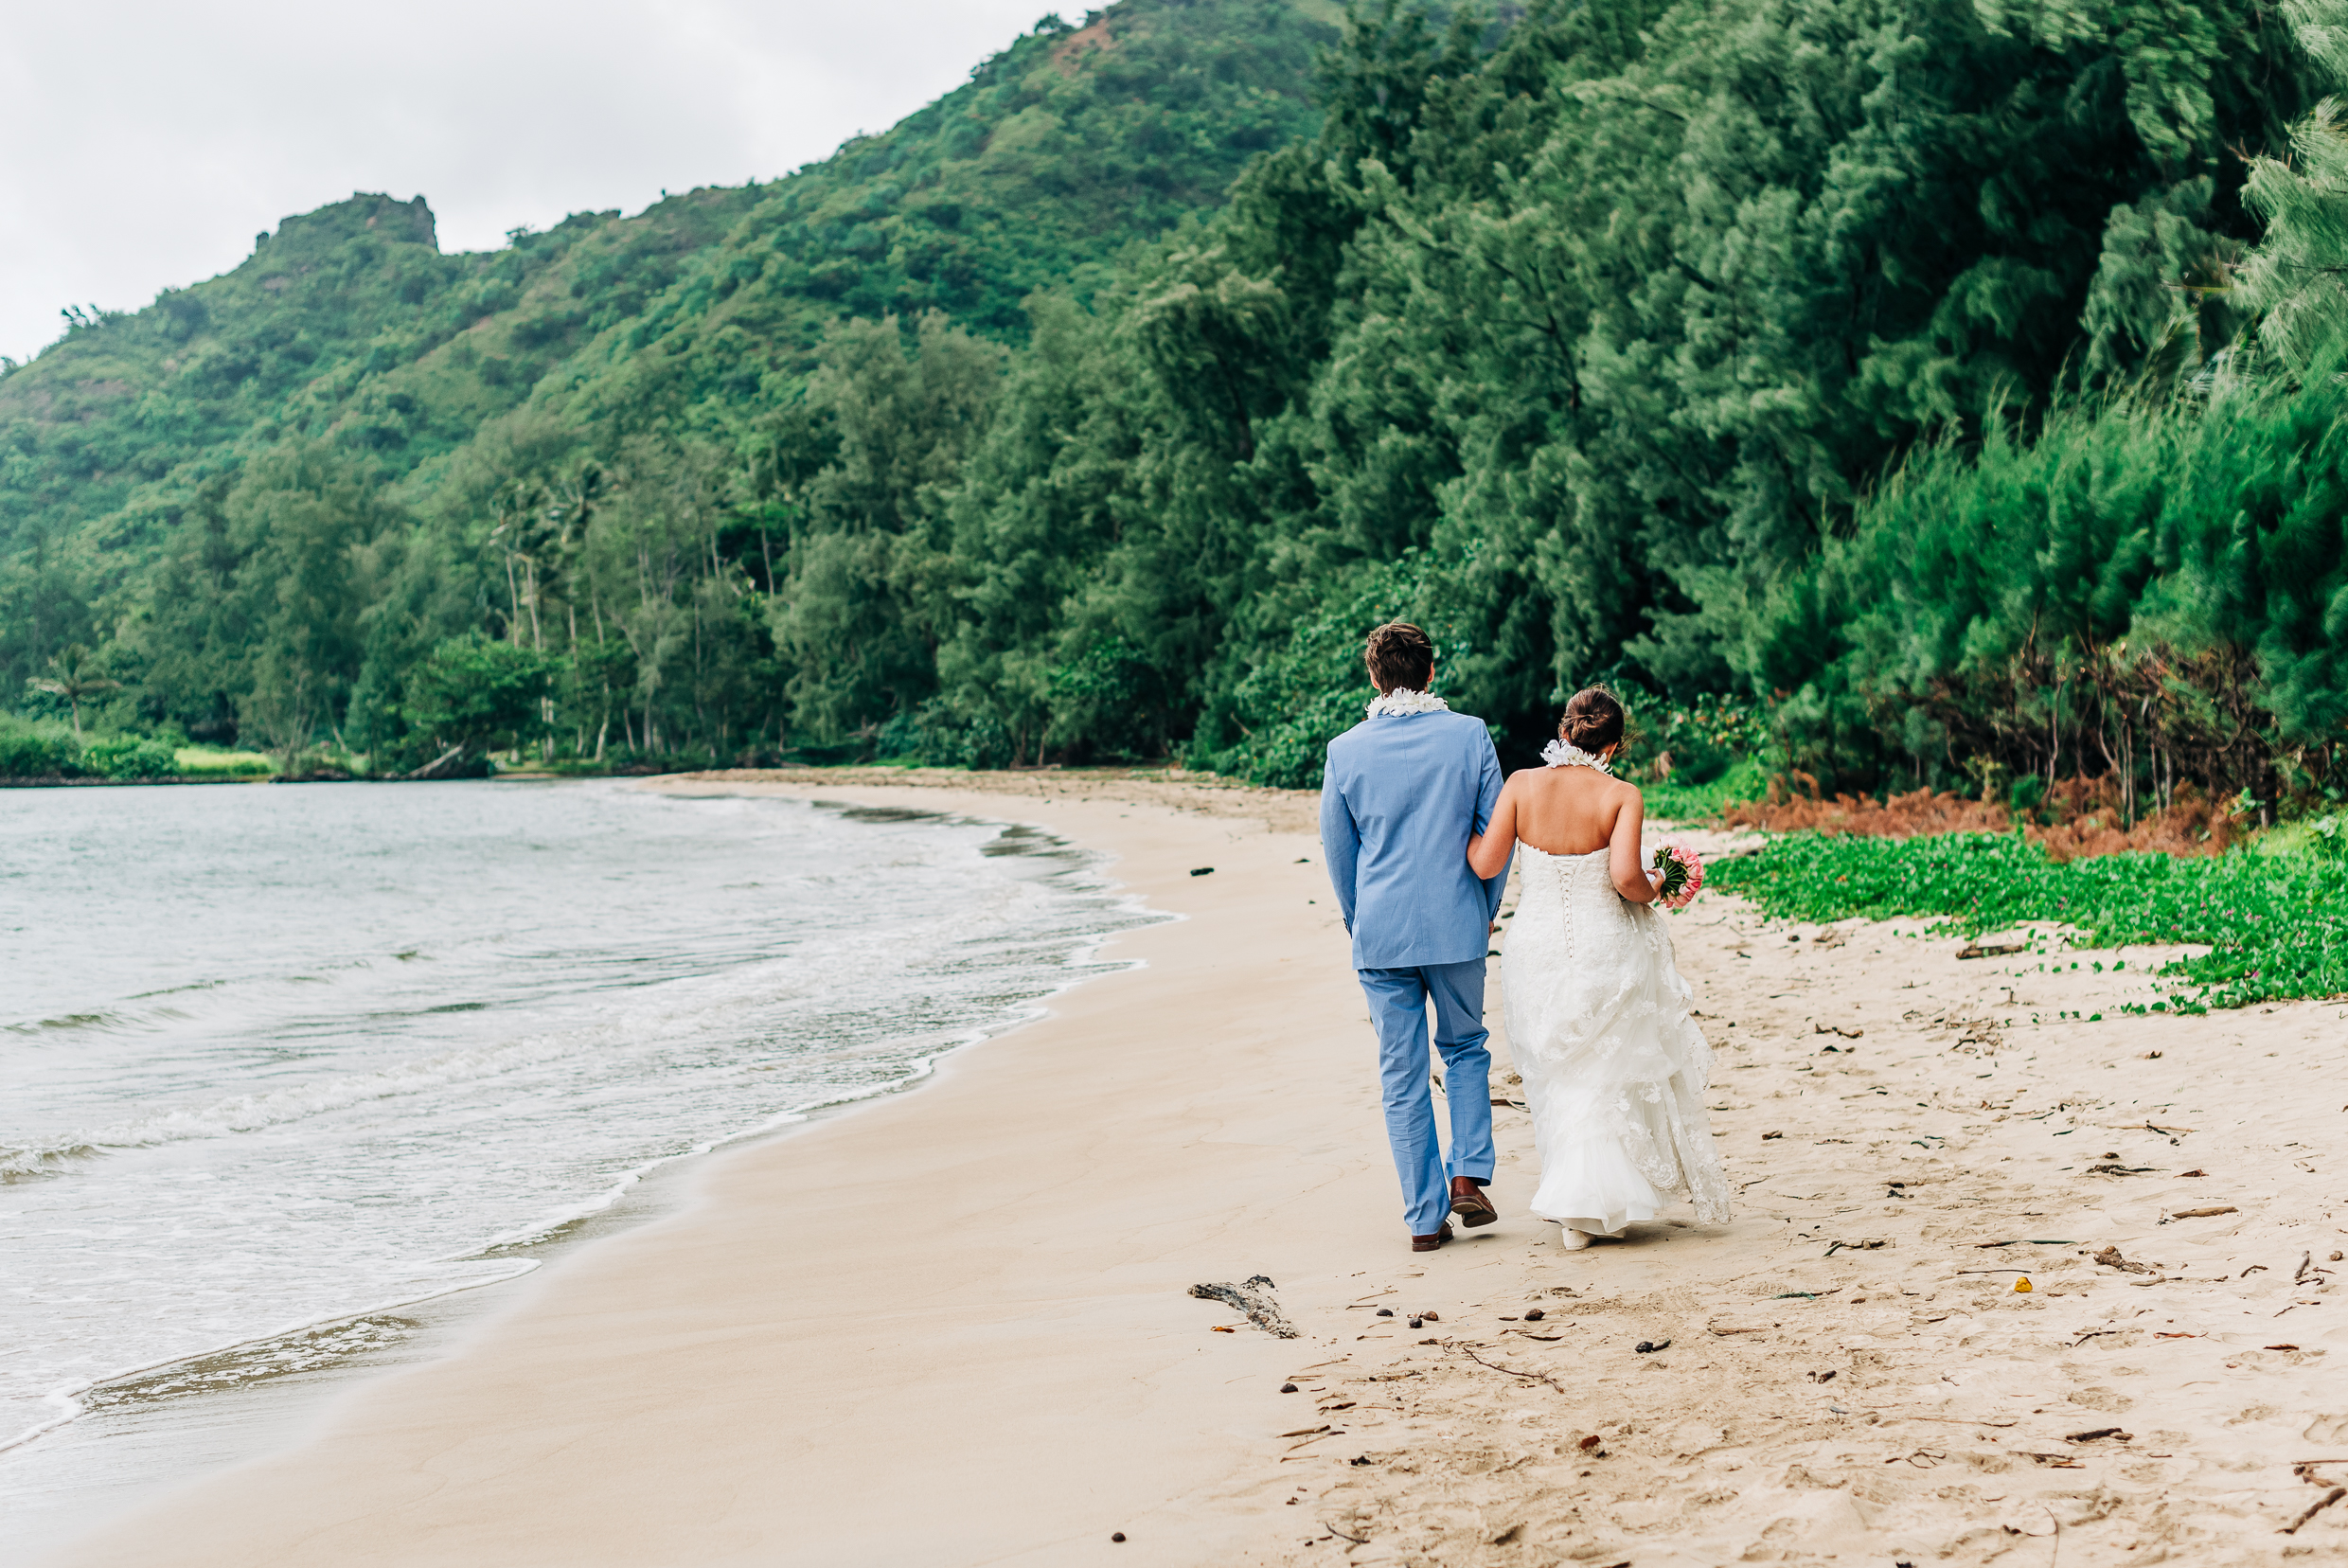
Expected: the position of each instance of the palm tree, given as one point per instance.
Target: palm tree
(71, 678)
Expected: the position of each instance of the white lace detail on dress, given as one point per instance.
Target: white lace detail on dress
(1403, 700)
(1564, 754)
(1615, 1069)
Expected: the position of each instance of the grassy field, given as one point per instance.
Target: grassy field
(210, 761)
(1691, 802)
(2275, 924)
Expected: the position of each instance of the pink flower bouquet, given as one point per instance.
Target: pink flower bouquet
(1682, 877)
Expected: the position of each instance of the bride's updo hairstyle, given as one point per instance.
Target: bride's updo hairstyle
(1593, 719)
(1400, 656)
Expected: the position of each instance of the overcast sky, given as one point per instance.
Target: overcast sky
(143, 143)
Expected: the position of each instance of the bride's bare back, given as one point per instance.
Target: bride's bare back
(1568, 811)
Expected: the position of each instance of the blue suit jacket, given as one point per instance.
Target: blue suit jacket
(1399, 797)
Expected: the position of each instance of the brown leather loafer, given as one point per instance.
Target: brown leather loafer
(1471, 1205)
(1428, 1243)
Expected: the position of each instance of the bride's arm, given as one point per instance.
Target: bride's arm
(1487, 851)
(1622, 863)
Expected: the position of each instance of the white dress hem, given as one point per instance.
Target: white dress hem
(1615, 1070)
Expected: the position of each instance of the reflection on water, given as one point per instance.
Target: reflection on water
(277, 1061)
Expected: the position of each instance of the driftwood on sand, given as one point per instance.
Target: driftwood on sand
(1253, 1296)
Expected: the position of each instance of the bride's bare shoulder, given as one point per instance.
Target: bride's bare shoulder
(1611, 785)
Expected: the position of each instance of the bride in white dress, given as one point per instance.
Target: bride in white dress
(1615, 1070)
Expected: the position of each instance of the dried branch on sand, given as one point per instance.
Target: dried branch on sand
(1253, 1296)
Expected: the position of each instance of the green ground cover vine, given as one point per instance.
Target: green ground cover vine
(2275, 925)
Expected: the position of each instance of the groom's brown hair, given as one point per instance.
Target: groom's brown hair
(1400, 656)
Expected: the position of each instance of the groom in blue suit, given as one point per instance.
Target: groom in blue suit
(1401, 792)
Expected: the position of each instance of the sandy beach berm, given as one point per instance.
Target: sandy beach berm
(953, 1327)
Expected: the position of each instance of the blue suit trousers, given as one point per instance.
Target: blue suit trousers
(1399, 1000)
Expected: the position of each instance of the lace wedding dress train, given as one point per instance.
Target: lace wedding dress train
(1614, 1067)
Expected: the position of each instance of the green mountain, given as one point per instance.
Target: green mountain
(348, 322)
(347, 325)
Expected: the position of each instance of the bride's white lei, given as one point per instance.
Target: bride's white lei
(1403, 700)
(1564, 754)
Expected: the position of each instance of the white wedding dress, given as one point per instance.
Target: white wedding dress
(1615, 1070)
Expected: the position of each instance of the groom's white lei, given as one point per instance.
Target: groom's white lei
(1564, 754)
(1403, 700)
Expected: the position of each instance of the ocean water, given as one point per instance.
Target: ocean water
(275, 1061)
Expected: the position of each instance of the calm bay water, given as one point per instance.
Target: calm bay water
(276, 1056)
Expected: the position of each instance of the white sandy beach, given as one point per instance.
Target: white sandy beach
(952, 1326)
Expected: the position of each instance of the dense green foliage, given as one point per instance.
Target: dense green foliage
(2152, 586)
(2149, 592)
(1094, 411)
(1615, 326)
(2274, 925)
(43, 748)
(38, 749)
(265, 500)
(476, 693)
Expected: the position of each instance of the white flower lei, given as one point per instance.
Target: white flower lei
(1564, 754)
(1403, 700)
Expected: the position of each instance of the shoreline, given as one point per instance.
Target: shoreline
(358, 1472)
(993, 781)
(111, 1408)
(956, 1329)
